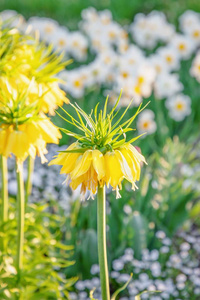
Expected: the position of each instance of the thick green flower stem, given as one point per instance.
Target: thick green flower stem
(20, 221)
(4, 177)
(101, 231)
(28, 187)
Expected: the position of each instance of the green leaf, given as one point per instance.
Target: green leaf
(91, 295)
(137, 297)
(122, 288)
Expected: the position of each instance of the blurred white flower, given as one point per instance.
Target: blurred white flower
(46, 27)
(158, 64)
(167, 85)
(179, 107)
(188, 20)
(181, 278)
(164, 249)
(80, 285)
(183, 45)
(114, 274)
(13, 18)
(78, 45)
(74, 83)
(149, 30)
(146, 122)
(123, 278)
(94, 269)
(160, 234)
(118, 264)
(60, 39)
(127, 209)
(185, 246)
(170, 57)
(195, 69)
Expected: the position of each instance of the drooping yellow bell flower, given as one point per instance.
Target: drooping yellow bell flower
(41, 64)
(93, 167)
(24, 130)
(102, 155)
(24, 59)
(29, 138)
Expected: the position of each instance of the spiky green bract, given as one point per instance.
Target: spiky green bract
(100, 130)
(14, 109)
(23, 53)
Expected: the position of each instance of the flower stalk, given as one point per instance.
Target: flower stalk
(4, 178)
(28, 187)
(102, 252)
(20, 221)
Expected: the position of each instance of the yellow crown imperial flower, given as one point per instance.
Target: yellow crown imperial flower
(24, 59)
(101, 155)
(23, 129)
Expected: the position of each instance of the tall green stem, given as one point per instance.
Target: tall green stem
(28, 187)
(101, 230)
(4, 177)
(20, 221)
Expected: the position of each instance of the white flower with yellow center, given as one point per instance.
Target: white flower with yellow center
(90, 14)
(158, 64)
(179, 106)
(170, 58)
(146, 123)
(125, 72)
(46, 27)
(74, 84)
(78, 45)
(112, 32)
(195, 69)
(194, 33)
(188, 19)
(166, 85)
(60, 39)
(15, 19)
(150, 29)
(105, 17)
(183, 45)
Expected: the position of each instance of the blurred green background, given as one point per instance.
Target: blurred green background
(68, 12)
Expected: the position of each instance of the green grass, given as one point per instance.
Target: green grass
(68, 12)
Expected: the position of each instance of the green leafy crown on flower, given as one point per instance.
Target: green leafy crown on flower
(15, 110)
(44, 64)
(100, 130)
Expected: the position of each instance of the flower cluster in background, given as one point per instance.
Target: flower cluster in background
(173, 270)
(141, 58)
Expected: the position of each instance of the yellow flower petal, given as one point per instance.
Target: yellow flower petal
(3, 137)
(130, 162)
(17, 144)
(114, 174)
(136, 157)
(49, 131)
(67, 160)
(124, 166)
(62, 158)
(136, 153)
(76, 182)
(98, 163)
(83, 163)
(70, 163)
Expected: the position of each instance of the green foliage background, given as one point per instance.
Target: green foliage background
(164, 163)
(68, 12)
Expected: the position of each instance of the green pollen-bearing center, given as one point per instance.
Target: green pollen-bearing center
(100, 130)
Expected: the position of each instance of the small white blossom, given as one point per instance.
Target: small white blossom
(179, 107)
